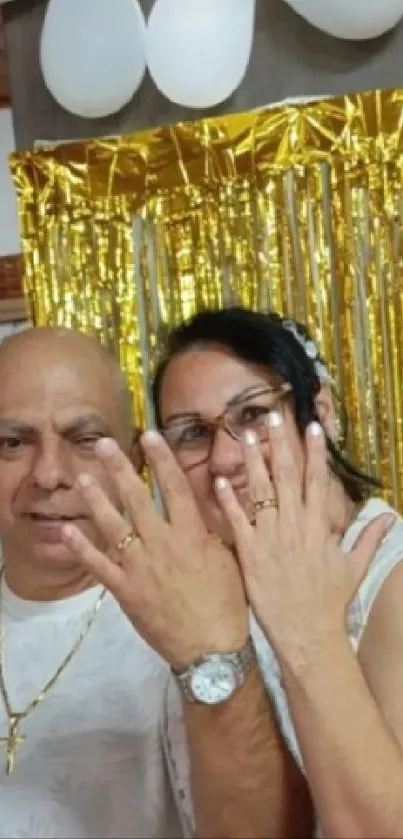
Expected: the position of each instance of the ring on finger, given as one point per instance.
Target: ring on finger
(126, 541)
(264, 504)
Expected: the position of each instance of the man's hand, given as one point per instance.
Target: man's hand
(177, 583)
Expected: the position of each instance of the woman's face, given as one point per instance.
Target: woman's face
(201, 385)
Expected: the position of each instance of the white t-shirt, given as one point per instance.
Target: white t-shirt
(385, 560)
(92, 766)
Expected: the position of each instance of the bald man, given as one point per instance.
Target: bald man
(80, 692)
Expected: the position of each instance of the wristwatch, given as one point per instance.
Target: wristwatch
(215, 677)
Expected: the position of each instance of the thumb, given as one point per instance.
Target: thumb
(368, 543)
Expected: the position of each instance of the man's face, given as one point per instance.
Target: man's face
(55, 402)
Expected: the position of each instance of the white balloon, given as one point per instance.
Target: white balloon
(198, 51)
(92, 54)
(356, 20)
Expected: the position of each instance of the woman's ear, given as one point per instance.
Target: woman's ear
(325, 409)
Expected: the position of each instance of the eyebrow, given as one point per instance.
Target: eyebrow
(248, 391)
(15, 426)
(84, 421)
(254, 390)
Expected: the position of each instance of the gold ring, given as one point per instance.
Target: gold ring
(126, 541)
(264, 504)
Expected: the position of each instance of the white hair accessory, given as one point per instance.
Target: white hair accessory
(310, 350)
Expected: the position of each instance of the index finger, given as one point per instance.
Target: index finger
(178, 497)
(132, 491)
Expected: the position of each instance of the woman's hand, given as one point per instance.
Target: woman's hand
(297, 579)
(181, 588)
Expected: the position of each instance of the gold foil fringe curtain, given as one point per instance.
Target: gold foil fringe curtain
(297, 208)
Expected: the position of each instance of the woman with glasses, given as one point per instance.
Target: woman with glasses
(244, 405)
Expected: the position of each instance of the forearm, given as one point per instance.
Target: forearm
(353, 763)
(244, 781)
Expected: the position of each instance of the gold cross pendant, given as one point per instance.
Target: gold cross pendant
(12, 742)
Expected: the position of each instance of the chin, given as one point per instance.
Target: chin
(54, 556)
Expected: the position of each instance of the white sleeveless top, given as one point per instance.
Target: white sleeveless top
(385, 560)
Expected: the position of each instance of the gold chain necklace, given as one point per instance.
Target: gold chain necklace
(15, 718)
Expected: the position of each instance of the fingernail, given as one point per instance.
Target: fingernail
(106, 447)
(151, 438)
(315, 429)
(84, 480)
(274, 419)
(221, 483)
(250, 437)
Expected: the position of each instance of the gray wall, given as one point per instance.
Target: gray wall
(290, 58)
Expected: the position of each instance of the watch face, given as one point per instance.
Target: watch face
(213, 681)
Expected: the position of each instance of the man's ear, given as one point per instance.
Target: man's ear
(136, 455)
(325, 410)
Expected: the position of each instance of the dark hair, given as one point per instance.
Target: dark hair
(262, 339)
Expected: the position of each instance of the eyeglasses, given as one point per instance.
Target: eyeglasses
(192, 439)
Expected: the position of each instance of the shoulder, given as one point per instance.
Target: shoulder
(386, 565)
(386, 617)
(380, 649)
(379, 635)
(381, 591)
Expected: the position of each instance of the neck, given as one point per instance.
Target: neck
(45, 585)
(343, 509)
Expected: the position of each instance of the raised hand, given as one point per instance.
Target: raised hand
(298, 580)
(181, 587)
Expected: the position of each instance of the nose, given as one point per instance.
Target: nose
(49, 469)
(226, 457)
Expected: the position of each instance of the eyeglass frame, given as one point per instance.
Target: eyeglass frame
(284, 388)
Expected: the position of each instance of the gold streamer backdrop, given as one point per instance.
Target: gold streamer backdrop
(297, 208)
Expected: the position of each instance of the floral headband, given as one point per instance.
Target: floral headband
(310, 350)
